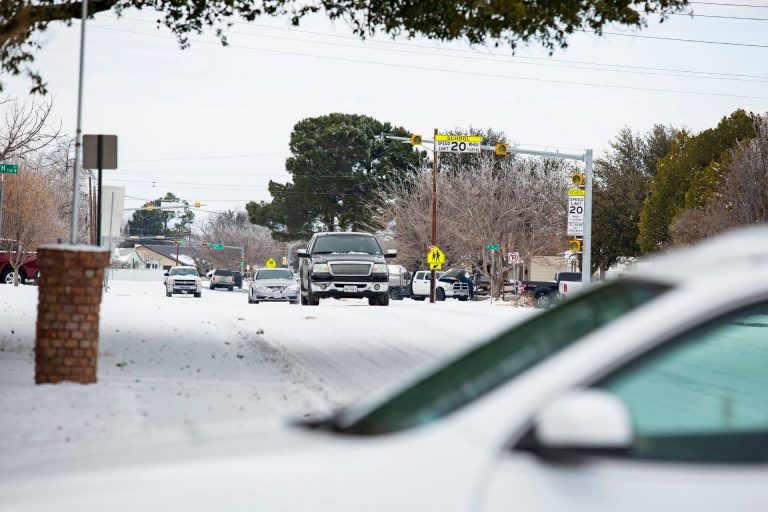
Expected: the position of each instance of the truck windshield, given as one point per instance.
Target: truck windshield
(488, 366)
(346, 244)
(183, 272)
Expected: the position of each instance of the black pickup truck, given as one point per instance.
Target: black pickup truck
(544, 293)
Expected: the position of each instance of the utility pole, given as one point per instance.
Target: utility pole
(586, 251)
(78, 131)
(434, 215)
(2, 179)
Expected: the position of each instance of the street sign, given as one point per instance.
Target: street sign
(575, 212)
(216, 246)
(271, 263)
(9, 168)
(513, 257)
(99, 151)
(435, 266)
(458, 143)
(492, 247)
(435, 257)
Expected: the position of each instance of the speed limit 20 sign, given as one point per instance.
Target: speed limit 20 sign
(458, 143)
(576, 212)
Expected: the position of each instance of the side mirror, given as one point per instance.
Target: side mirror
(165, 275)
(391, 253)
(581, 422)
(302, 253)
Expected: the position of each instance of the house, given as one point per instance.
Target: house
(164, 256)
(126, 258)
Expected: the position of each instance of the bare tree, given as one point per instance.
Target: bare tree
(30, 217)
(516, 202)
(233, 228)
(25, 128)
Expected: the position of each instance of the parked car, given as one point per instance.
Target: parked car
(184, 280)
(273, 285)
(399, 282)
(238, 279)
(447, 285)
(29, 270)
(545, 293)
(636, 395)
(568, 285)
(222, 278)
(344, 265)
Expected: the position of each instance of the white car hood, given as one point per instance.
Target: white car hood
(314, 471)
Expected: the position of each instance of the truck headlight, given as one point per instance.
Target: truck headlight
(318, 268)
(379, 268)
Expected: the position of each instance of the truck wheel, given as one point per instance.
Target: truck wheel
(440, 294)
(168, 294)
(7, 277)
(383, 300)
(543, 301)
(394, 294)
(199, 294)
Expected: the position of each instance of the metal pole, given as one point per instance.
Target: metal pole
(78, 132)
(2, 180)
(99, 154)
(493, 272)
(434, 216)
(111, 214)
(586, 250)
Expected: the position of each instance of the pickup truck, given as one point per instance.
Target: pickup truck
(27, 271)
(569, 286)
(183, 280)
(399, 282)
(222, 278)
(447, 285)
(546, 294)
(344, 265)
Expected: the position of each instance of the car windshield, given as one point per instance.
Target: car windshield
(222, 273)
(274, 273)
(488, 366)
(183, 272)
(359, 244)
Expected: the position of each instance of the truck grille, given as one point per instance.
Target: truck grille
(350, 269)
(180, 282)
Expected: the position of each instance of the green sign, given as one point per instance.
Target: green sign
(217, 246)
(9, 168)
(492, 247)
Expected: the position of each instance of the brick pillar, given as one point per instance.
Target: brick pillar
(67, 343)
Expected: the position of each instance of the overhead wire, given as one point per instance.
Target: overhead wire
(455, 71)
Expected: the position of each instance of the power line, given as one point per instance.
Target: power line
(220, 157)
(475, 53)
(731, 5)
(695, 15)
(454, 71)
(677, 39)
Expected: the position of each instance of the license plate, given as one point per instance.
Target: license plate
(183, 292)
(350, 289)
(277, 295)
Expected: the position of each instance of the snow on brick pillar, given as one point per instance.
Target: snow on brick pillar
(67, 342)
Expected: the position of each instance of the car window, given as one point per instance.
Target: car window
(277, 273)
(183, 272)
(702, 397)
(221, 272)
(504, 357)
(346, 244)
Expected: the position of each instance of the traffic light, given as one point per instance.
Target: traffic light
(416, 140)
(577, 179)
(205, 244)
(198, 204)
(501, 149)
(150, 207)
(574, 245)
(283, 260)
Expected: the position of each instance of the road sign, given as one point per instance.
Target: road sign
(492, 247)
(575, 212)
(9, 168)
(458, 143)
(458, 138)
(513, 257)
(435, 266)
(435, 256)
(99, 151)
(271, 263)
(216, 246)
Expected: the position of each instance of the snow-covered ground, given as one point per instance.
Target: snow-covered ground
(185, 370)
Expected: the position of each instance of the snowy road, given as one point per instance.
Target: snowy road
(183, 369)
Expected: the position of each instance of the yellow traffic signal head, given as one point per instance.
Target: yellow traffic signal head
(150, 207)
(574, 245)
(197, 204)
(501, 149)
(416, 140)
(577, 179)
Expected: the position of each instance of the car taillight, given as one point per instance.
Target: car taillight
(565, 287)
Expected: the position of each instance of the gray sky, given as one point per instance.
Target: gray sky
(212, 123)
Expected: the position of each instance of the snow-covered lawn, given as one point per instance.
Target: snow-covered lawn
(185, 370)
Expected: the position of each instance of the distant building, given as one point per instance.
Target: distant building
(163, 256)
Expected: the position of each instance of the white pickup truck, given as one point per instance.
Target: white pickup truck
(447, 286)
(568, 284)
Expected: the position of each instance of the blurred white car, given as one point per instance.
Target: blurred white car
(646, 393)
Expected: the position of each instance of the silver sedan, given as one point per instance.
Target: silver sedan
(273, 285)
